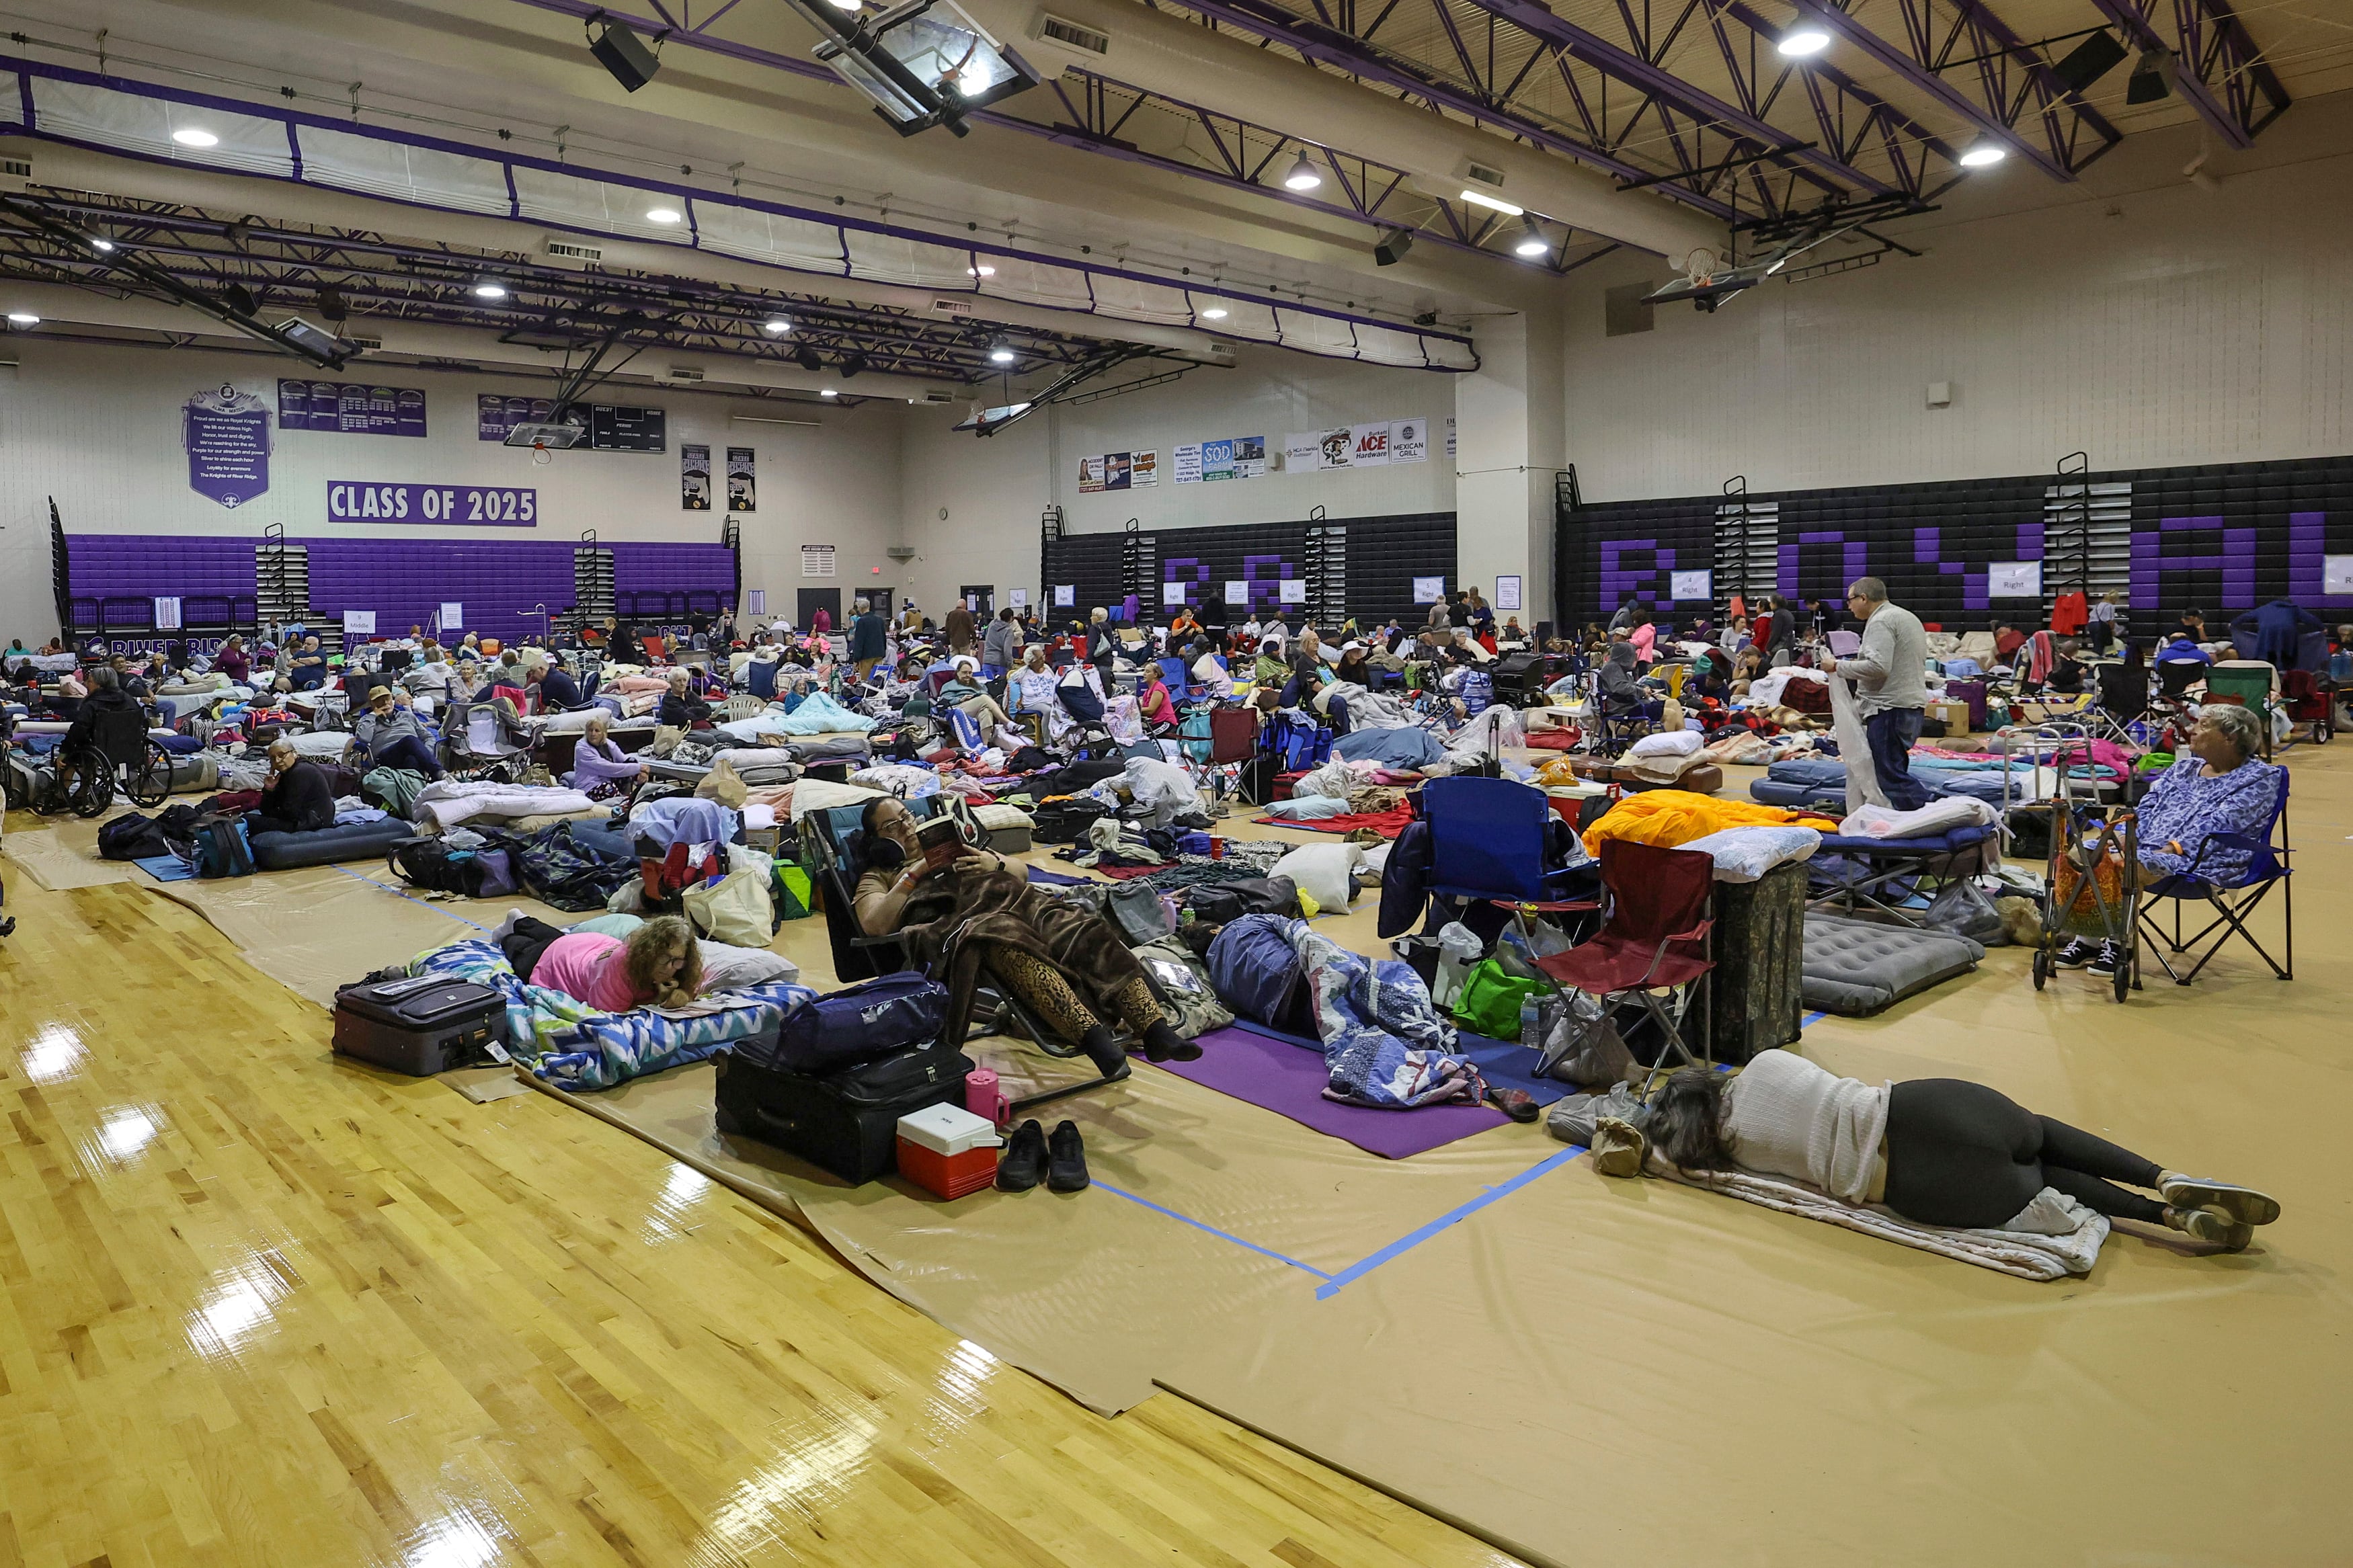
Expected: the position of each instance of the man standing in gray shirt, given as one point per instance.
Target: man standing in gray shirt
(1890, 690)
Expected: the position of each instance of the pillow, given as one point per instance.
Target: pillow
(726, 968)
(619, 926)
(1672, 743)
(1744, 854)
(1322, 872)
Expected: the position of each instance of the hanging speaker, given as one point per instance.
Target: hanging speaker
(2090, 60)
(622, 53)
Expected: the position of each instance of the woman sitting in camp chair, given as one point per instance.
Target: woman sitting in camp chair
(978, 912)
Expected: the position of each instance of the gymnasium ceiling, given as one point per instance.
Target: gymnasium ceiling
(1158, 164)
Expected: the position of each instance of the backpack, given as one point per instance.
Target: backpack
(131, 838)
(433, 866)
(222, 849)
(1182, 984)
(1297, 745)
(889, 1014)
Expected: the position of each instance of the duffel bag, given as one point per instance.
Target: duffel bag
(846, 1122)
(433, 866)
(1066, 821)
(1215, 903)
(889, 1014)
(1182, 984)
(131, 838)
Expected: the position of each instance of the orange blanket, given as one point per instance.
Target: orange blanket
(1670, 817)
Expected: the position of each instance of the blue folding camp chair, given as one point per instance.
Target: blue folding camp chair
(1487, 841)
(1180, 679)
(2233, 898)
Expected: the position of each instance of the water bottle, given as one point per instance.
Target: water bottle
(1531, 1025)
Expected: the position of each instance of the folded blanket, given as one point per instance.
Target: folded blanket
(1937, 818)
(445, 803)
(816, 714)
(2053, 1237)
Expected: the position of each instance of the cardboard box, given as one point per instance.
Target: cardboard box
(1956, 716)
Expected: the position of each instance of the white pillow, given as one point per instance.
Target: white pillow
(1744, 854)
(1322, 872)
(726, 968)
(1671, 743)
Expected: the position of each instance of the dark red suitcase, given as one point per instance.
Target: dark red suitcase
(422, 1025)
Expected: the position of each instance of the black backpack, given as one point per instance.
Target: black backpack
(132, 837)
(428, 863)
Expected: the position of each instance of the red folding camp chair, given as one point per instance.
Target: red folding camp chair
(657, 650)
(1655, 938)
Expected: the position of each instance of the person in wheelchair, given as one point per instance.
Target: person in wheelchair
(1617, 686)
(100, 716)
(977, 913)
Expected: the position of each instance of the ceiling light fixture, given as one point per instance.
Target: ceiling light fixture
(1302, 175)
(489, 288)
(23, 319)
(1493, 203)
(1803, 40)
(828, 392)
(1983, 155)
(775, 326)
(1213, 313)
(100, 244)
(982, 269)
(663, 215)
(195, 136)
(1533, 243)
(1001, 353)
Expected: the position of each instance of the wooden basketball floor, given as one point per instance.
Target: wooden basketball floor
(259, 1307)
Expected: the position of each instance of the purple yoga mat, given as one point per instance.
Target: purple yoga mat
(1289, 1081)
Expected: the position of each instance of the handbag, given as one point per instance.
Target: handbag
(735, 909)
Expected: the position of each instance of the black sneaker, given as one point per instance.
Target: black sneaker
(1024, 1160)
(1066, 1163)
(2105, 961)
(2073, 953)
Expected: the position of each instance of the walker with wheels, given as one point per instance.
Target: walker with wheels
(2092, 890)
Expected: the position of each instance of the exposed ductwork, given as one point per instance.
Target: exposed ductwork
(1223, 72)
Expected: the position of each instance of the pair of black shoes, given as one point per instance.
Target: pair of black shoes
(1029, 1154)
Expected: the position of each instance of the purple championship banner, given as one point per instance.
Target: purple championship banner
(351, 408)
(464, 506)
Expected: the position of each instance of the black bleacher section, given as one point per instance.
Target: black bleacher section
(1384, 554)
(2220, 537)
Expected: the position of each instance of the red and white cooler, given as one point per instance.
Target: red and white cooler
(947, 1151)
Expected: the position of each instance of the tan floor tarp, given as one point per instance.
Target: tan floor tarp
(1581, 1367)
(64, 856)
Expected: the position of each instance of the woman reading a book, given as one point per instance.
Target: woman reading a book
(961, 911)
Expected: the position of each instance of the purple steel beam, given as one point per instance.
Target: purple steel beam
(1343, 51)
(2245, 73)
(2052, 159)
(1623, 65)
(1819, 71)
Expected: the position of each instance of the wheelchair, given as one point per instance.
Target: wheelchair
(119, 755)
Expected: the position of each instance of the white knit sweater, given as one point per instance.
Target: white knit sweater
(1784, 1115)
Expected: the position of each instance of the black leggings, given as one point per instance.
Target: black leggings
(1960, 1154)
(527, 941)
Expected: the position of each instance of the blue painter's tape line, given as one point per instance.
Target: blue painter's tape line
(1213, 1230)
(1811, 1019)
(1355, 1271)
(420, 904)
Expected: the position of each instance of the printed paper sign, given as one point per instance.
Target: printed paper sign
(2337, 574)
(1172, 593)
(1292, 590)
(167, 614)
(1236, 593)
(453, 614)
(1065, 594)
(817, 560)
(1429, 590)
(1250, 457)
(1218, 459)
(1019, 598)
(2014, 580)
(1684, 586)
(359, 621)
(1449, 436)
(1188, 464)
(1299, 448)
(1143, 470)
(1410, 441)
(1507, 592)
(465, 506)
(1372, 446)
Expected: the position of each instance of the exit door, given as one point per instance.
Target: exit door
(815, 599)
(980, 598)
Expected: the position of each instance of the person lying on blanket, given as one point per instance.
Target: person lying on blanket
(975, 911)
(1938, 1150)
(659, 964)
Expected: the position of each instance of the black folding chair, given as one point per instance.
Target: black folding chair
(832, 837)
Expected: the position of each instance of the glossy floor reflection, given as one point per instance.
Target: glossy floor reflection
(257, 1306)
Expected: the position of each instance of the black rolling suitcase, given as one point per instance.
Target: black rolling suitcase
(847, 1121)
(422, 1025)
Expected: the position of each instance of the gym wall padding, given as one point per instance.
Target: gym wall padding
(404, 581)
(1376, 558)
(2219, 537)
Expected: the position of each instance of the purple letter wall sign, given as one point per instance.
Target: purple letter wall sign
(2235, 560)
(227, 434)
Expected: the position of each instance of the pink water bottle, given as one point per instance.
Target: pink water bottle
(982, 1097)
